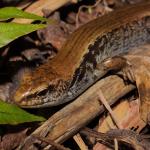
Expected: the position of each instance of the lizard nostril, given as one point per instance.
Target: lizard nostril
(18, 96)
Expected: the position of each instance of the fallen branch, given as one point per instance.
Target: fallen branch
(65, 123)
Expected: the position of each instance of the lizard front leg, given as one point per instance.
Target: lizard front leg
(120, 65)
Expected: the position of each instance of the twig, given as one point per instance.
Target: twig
(116, 144)
(85, 6)
(122, 135)
(80, 142)
(107, 106)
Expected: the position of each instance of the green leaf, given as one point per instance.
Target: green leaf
(11, 31)
(12, 114)
(13, 12)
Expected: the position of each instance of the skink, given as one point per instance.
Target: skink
(74, 68)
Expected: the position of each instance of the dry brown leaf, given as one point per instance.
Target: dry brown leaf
(140, 61)
(127, 114)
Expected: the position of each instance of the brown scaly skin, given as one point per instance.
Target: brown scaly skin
(74, 68)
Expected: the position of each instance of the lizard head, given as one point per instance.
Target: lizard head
(38, 89)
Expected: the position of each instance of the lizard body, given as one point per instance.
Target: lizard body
(74, 68)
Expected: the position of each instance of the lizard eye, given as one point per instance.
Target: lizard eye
(44, 91)
(41, 93)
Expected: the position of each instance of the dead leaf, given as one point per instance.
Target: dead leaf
(140, 61)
